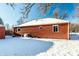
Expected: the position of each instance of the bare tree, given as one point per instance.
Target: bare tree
(76, 14)
(1, 21)
(7, 26)
(63, 15)
(56, 12)
(11, 4)
(43, 7)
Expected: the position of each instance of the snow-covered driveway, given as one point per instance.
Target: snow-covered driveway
(23, 46)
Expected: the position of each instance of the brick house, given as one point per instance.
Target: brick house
(2, 31)
(44, 28)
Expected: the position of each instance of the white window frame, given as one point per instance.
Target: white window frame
(40, 27)
(17, 29)
(53, 28)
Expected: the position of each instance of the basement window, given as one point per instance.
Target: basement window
(18, 29)
(40, 27)
(55, 28)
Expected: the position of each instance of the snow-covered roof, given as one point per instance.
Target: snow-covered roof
(1, 25)
(43, 21)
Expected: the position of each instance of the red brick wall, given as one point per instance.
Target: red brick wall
(46, 31)
(2, 32)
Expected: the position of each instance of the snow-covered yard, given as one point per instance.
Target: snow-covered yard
(63, 47)
(24, 46)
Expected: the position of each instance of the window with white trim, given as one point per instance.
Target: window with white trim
(55, 28)
(18, 29)
(40, 27)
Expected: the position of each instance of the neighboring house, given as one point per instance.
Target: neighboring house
(2, 31)
(44, 28)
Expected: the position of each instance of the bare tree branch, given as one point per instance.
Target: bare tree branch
(11, 4)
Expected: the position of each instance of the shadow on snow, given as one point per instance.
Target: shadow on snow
(23, 47)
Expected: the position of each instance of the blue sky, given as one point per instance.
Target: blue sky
(69, 7)
(11, 16)
(8, 15)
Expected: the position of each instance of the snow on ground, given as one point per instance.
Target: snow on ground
(63, 47)
(22, 46)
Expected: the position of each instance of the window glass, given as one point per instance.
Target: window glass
(18, 29)
(55, 28)
(40, 27)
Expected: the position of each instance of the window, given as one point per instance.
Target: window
(18, 29)
(55, 28)
(40, 27)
